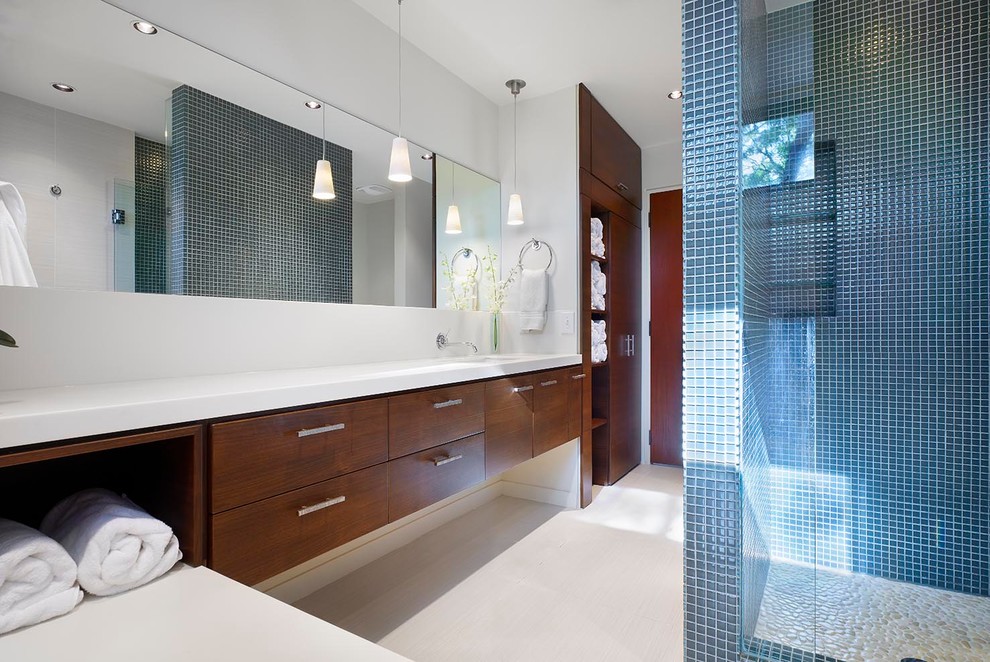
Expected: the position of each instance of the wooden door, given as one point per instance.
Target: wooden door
(624, 348)
(666, 321)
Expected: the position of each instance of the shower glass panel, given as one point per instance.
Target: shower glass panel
(865, 176)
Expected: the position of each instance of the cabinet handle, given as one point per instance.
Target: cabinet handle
(448, 403)
(326, 428)
(623, 187)
(306, 510)
(581, 376)
(548, 383)
(520, 389)
(442, 460)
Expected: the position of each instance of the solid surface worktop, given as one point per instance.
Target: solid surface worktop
(190, 614)
(39, 415)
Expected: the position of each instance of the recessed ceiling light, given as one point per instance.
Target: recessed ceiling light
(314, 105)
(63, 87)
(675, 95)
(427, 157)
(144, 27)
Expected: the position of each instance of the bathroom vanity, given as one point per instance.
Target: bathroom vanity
(334, 453)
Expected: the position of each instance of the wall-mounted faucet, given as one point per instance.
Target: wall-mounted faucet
(443, 343)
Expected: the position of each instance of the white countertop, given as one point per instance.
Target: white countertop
(33, 416)
(190, 614)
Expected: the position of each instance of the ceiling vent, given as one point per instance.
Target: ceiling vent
(374, 190)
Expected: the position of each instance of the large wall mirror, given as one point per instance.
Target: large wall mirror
(171, 169)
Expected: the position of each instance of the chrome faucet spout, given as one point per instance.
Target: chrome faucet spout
(443, 343)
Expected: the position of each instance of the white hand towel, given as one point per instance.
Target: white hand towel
(597, 287)
(37, 577)
(533, 286)
(15, 266)
(116, 545)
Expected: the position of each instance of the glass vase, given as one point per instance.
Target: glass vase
(496, 322)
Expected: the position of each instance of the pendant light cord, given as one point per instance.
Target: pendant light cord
(515, 142)
(324, 132)
(400, 68)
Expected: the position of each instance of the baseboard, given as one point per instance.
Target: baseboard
(542, 494)
(307, 578)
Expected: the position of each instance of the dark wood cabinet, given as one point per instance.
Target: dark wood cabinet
(550, 411)
(255, 458)
(612, 428)
(421, 479)
(608, 152)
(508, 423)
(424, 419)
(262, 539)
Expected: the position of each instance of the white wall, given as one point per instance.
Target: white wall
(338, 52)
(414, 244)
(69, 238)
(373, 255)
(548, 184)
(662, 171)
(71, 337)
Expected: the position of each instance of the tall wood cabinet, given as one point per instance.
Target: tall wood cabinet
(611, 191)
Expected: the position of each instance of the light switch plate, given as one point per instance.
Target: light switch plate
(566, 322)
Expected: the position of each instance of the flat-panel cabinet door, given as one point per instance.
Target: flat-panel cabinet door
(508, 423)
(550, 397)
(575, 402)
(625, 344)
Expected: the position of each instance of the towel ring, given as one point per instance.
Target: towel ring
(468, 253)
(536, 245)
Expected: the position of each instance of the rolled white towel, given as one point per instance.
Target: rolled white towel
(116, 545)
(597, 237)
(37, 577)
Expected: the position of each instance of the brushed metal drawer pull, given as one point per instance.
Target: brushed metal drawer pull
(448, 403)
(306, 510)
(548, 383)
(326, 428)
(442, 460)
(520, 389)
(581, 376)
(623, 187)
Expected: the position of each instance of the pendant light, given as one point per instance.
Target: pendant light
(399, 169)
(323, 182)
(453, 214)
(515, 216)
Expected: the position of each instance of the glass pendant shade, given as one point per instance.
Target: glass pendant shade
(323, 182)
(515, 216)
(399, 169)
(453, 220)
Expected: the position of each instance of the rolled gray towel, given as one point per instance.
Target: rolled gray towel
(116, 545)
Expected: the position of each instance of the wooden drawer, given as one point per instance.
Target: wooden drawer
(260, 457)
(508, 423)
(417, 481)
(550, 407)
(262, 539)
(428, 418)
(575, 402)
(616, 159)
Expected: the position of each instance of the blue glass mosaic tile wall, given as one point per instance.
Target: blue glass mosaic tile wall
(150, 192)
(902, 89)
(244, 222)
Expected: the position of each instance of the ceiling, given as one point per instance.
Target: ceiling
(628, 52)
(124, 78)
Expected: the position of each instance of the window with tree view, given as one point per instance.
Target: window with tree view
(778, 150)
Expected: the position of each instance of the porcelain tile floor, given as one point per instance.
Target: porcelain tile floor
(518, 580)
